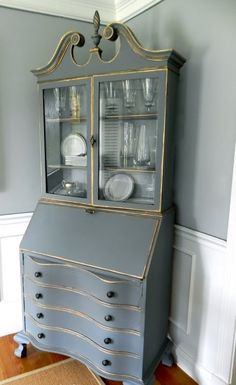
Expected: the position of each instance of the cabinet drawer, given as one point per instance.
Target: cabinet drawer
(119, 316)
(109, 338)
(71, 343)
(117, 291)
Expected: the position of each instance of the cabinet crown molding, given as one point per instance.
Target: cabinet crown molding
(118, 10)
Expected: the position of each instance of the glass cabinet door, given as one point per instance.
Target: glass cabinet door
(67, 153)
(130, 126)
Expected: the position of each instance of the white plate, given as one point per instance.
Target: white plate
(119, 187)
(73, 144)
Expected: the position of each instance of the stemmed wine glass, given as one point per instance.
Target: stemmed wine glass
(149, 87)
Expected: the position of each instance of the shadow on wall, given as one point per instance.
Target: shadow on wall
(187, 268)
(2, 155)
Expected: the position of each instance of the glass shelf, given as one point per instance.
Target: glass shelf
(131, 117)
(130, 169)
(66, 120)
(59, 166)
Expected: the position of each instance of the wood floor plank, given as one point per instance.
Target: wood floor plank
(11, 366)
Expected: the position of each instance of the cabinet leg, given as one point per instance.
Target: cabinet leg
(168, 358)
(21, 339)
(150, 381)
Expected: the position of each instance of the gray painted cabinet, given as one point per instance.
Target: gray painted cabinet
(96, 256)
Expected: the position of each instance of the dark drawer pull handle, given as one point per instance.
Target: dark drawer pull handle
(106, 362)
(38, 274)
(107, 341)
(41, 335)
(39, 315)
(108, 317)
(38, 295)
(110, 294)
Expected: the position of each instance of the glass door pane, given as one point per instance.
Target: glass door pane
(128, 140)
(66, 139)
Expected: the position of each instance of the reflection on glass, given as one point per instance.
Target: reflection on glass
(63, 99)
(149, 87)
(128, 131)
(66, 140)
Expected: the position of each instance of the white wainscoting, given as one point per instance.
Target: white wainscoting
(199, 311)
(12, 228)
(199, 314)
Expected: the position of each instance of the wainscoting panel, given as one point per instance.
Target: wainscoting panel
(199, 316)
(197, 324)
(12, 228)
(182, 283)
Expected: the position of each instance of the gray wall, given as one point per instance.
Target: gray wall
(27, 41)
(204, 32)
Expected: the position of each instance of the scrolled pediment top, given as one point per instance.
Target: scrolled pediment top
(113, 31)
(69, 40)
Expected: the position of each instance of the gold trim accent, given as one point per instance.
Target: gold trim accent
(83, 315)
(148, 54)
(85, 294)
(151, 210)
(92, 134)
(94, 275)
(68, 39)
(43, 84)
(152, 213)
(84, 360)
(152, 248)
(75, 78)
(163, 141)
(83, 337)
(132, 71)
(80, 263)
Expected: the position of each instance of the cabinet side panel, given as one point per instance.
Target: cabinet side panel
(169, 148)
(158, 288)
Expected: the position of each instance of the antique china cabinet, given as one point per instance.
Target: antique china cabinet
(96, 257)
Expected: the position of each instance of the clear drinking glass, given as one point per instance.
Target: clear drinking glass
(149, 87)
(128, 143)
(142, 156)
(112, 97)
(129, 93)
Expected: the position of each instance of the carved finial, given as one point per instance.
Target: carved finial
(96, 23)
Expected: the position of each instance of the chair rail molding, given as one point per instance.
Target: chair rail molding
(110, 10)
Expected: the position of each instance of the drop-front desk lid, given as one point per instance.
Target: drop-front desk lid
(120, 243)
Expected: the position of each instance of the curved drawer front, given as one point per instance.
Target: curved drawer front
(108, 315)
(105, 289)
(64, 341)
(106, 337)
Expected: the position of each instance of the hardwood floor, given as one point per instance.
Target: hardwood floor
(11, 366)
